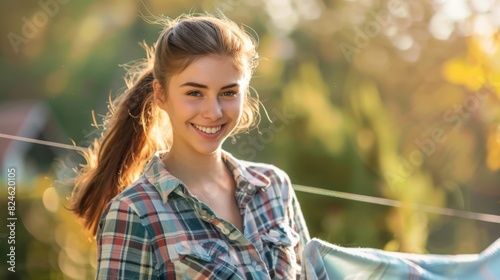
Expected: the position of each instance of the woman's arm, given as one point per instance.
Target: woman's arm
(123, 246)
(296, 219)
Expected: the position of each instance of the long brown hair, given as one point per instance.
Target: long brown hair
(135, 127)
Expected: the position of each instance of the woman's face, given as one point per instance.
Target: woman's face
(204, 103)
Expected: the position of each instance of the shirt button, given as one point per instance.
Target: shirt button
(203, 214)
(233, 236)
(258, 267)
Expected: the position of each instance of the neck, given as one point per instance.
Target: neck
(192, 168)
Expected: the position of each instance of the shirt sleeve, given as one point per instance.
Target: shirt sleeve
(296, 220)
(123, 246)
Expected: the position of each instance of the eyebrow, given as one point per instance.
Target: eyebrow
(193, 84)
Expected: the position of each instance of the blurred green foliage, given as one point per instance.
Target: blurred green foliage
(396, 99)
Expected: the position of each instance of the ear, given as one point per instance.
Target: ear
(159, 94)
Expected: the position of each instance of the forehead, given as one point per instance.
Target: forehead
(209, 70)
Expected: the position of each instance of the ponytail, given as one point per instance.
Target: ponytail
(131, 136)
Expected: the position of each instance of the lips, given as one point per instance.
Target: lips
(208, 129)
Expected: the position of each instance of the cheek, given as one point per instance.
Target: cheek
(235, 108)
(181, 109)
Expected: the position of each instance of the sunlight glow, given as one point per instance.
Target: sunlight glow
(456, 9)
(441, 27)
(51, 200)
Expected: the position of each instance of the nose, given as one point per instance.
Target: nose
(212, 109)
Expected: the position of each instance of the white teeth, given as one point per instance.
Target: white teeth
(209, 130)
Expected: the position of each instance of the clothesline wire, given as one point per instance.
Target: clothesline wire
(395, 203)
(324, 192)
(41, 142)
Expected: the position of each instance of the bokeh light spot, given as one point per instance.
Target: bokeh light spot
(51, 200)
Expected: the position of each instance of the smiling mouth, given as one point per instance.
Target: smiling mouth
(208, 130)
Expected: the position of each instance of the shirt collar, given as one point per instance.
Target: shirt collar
(164, 182)
(157, 174)
(241, 171)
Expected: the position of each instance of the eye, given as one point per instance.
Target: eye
(229, 93)
(194, 93)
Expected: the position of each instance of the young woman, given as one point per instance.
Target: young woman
(196, 212)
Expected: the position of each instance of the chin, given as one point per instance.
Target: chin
(208, 149)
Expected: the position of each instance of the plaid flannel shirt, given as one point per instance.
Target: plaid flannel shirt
(156, 229)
